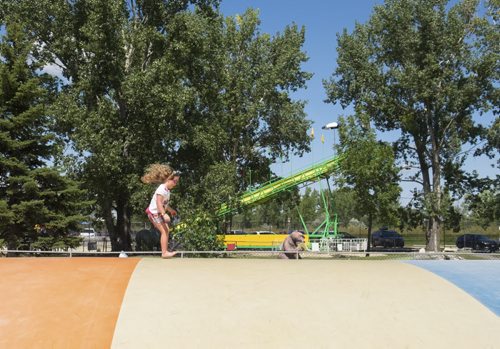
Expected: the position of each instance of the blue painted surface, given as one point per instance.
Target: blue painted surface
(481, 279)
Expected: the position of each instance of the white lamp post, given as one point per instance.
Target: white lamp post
(331, 126)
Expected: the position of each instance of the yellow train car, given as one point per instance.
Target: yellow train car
(256, 241)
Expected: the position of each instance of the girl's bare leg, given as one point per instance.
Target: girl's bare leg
(164, 231)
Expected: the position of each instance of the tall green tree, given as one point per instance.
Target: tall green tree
(310, 205)
(368, 169)
(423, 68)
(344, 205)
(484, 207)
(242, 116)
(269, 214)
(31, 191)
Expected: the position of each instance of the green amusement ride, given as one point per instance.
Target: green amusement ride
(271, 189)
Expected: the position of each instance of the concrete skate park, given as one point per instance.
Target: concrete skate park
(248, 303)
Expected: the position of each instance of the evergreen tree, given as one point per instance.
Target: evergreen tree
(31, 192)
(310, 205)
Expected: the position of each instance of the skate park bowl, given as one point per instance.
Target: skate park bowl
(248, 303)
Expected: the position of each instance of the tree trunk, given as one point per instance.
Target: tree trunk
(110, 225)
(434, 235)
(432, 194)
(369, 236)
(119, 233)
(433, 243)
(123, 214)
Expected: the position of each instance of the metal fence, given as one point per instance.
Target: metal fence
(339, 245)
(97, 244)
(304, 255)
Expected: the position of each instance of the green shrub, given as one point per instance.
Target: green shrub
(198, 232)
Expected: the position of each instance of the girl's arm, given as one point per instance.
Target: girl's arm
(159, 204)
(171, 210)
(161, 209)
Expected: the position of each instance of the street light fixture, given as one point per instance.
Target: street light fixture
(331, 126)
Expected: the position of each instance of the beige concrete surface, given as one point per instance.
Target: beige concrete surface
(230, 303)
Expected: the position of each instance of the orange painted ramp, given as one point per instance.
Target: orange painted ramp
(61, 302)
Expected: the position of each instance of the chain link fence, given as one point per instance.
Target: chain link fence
(375, 255)
(326, 248)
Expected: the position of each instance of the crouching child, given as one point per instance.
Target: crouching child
(290, 246)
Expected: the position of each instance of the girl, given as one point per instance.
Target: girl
(158, 207)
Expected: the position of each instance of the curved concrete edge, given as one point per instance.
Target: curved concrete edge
(61, 302)
(192, 303)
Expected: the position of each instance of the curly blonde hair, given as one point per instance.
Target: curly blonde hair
(157, 173)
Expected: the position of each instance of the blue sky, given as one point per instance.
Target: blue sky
(322, 20)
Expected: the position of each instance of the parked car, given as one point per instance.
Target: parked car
(387, 238)
(477, 242)
(88, 233)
